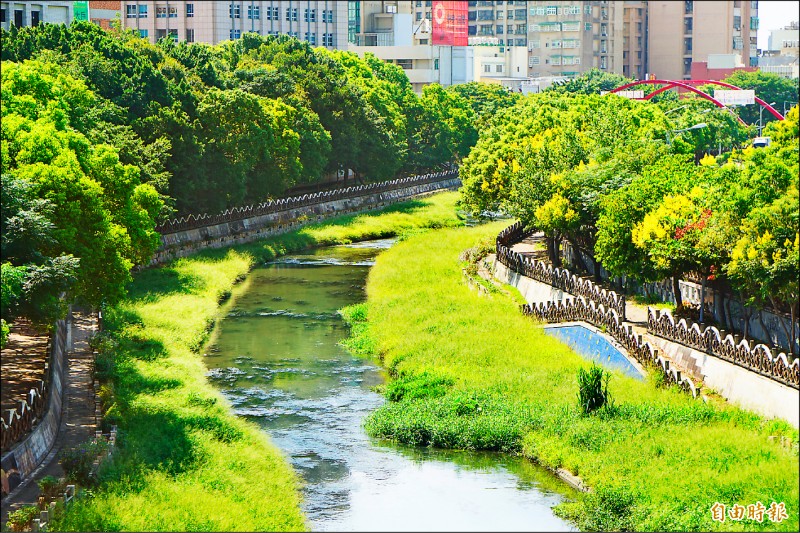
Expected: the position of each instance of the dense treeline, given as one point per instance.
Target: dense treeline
(104, 135)
(213, 127)
(620, 180)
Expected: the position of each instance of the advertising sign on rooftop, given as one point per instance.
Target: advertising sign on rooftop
(735, 97)
(449, 23)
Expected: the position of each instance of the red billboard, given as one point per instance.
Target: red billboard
(450, 23)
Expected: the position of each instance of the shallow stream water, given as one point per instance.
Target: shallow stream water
(276, 357)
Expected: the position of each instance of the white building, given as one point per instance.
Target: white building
(21, 14)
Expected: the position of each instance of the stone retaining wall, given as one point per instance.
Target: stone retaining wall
(25, 457)
(186, 242)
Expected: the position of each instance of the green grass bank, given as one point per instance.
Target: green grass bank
(185, 462)
(470, 371)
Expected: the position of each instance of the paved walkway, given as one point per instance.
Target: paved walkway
(533, 246)
(78, 414)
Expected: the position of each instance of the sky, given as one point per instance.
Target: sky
(774, 15)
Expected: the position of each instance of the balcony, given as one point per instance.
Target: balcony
(375, 39)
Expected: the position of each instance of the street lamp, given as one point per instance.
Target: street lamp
(690, 128)
(760, 114)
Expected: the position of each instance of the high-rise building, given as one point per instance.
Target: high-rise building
(567, 38)
(560, 37)
(682, 32)
(634, 39)
(319, 22)
(390, 31)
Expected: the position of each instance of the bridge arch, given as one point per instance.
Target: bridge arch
(689, 85)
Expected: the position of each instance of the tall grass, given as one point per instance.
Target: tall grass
(185, 462)
(471, 372)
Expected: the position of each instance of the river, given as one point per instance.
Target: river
(276, 357)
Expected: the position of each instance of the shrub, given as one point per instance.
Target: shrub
(4, 331)
(22, 518)
(78, 462)
(593, 389)
(50, 487)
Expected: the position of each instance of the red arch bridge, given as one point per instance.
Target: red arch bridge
(689, 85)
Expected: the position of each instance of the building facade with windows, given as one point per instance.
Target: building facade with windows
(21, 14)
(683, 32)
(634, 39)
(319, 22)
(388, 30)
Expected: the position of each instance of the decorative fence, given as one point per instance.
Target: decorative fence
(293, 202)
(758, 358)
(560, 278)
(19, 421)
(598, 315)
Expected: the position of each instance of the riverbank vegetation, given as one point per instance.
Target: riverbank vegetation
(634, 185)
(105, 135)
(184, 462)
(470, 371)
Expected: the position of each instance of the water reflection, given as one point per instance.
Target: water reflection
(277, 359)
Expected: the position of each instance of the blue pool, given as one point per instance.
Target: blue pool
(594, 347)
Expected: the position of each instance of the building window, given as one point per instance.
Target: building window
(419, 16)
(130, 12)
(173, 12)
(273, 13)
(518, 42)
(687, 25)
(405, 64)
(310, 15)
(587, 26)
(327, 39)
(485, 15)
(552, 10)
(327, 15)
(235, 11)
(142, 11)
(522, 28)
(160, 34)
(687, 67)
(737, 22)
(498, 68)
(254, 12)
(235, 34)
(487, 68)
(436, 64)
(143, 34)
(311, 38)
(499, 29)
(190, 13)
(161, 12)
(189, 35)
(688, 7)
(174, 35)
(533, 60)
(291, 14)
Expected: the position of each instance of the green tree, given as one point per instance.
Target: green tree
(767, 86)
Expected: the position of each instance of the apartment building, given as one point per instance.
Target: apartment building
(560, 38)
(682, 32)
(568, 38)
(389, 30)
(21, 14)
(319, 22)
(634, 39)
(782, 56)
